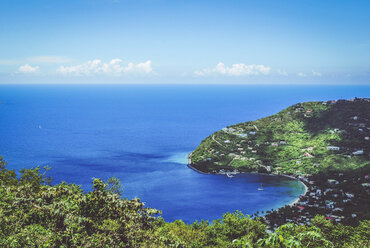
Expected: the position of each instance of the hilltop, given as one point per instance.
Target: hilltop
(306, 138)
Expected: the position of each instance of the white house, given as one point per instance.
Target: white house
(349, 195)
(332, 181)
(334, 148)
(358, 152)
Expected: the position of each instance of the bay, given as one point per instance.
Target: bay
(142, 134)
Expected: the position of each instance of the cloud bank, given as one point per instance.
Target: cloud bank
(234, 70)
(112, 68)
(28, 69)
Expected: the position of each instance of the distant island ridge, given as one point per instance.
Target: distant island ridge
(323, 144)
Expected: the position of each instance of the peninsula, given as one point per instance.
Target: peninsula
(326, 145)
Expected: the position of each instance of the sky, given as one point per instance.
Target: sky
(184, 42)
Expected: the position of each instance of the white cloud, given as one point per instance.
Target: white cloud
(281, 72)
(112, 68)
(234, 70)
(301, 74)
(49, 59)
(28, 69)
(316, 74)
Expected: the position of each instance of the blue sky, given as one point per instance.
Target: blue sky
(188, 41)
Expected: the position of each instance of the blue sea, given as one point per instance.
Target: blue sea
(142, 135)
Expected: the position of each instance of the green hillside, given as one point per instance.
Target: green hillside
(306, 138)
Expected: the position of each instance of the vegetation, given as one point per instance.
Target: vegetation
(306, 138)
(34, 213)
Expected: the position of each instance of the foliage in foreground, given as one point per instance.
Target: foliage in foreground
(34, 213)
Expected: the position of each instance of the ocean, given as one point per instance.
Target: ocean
(142, 135)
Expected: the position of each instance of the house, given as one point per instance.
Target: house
(283, 142)
(349, 195)
(252, 132)
(329, 205)
(298, 162)
(334, 148)
(338, 209)
(354, 118)
(366, 138)
(227, 141)
(358, 152)
(332, 181)
(309, 148)
(274, 144)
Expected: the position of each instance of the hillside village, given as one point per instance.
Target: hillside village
(303, 139)
(326, 145)
(343, 198)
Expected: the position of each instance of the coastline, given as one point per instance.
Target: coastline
(194, 169)
(288, 176)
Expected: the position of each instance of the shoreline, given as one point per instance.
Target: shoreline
(288, 176)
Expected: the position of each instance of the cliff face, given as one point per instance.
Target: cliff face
(305, 138)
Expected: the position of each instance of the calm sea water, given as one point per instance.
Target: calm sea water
(142, 134)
